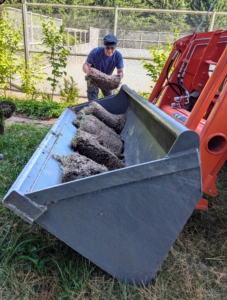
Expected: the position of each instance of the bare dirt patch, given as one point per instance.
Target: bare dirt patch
(24, 120)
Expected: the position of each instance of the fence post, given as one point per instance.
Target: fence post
(211, 27)
(141, 39)
(25, 32)
(31, 30)
(115, 19)
(158, 38)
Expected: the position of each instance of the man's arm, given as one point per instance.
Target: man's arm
(90, 60)
(120, 72)
(120, 65)
(86, 67)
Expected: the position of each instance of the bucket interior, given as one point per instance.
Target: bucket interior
(149, 134)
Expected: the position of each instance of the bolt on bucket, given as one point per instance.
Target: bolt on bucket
(125, 220)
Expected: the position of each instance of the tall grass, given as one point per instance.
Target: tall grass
(36, 265)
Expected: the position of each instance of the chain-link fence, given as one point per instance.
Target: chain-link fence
(136, 29)
(34, 29)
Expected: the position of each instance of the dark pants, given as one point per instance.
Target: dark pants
(93, 91)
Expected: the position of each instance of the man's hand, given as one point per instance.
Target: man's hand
(120, 73)
(86, 67)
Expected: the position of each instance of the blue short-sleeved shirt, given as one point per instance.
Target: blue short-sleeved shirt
(103, 63)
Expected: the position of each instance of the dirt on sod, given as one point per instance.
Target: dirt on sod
(115, 122)
(104, 134)
(75, 166)
(96, 139)
(103, 81)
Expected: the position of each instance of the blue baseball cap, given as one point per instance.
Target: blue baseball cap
(110, 40)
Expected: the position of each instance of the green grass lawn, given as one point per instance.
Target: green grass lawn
(36, 265)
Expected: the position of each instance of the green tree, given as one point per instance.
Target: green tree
(170, 21)
(219, 5)
(83, 18)
(31, 76)
(120, 3)
(54, 39)
(154, 21)
(10, 60)
(205, 5)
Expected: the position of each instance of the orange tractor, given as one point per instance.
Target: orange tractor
(126, 220)
(198, 100)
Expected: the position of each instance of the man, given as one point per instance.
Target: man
(105, 59)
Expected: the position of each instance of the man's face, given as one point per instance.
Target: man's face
(109, 50)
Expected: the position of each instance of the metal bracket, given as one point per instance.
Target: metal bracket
(24, 207)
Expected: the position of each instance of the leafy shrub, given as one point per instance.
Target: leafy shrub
(69, 91)
(144, 95)
(31, 76)
(160, 55)
(39, 109)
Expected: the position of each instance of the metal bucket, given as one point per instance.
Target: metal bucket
(126, 220)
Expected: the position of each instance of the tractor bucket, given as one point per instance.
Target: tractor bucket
(126, 220)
